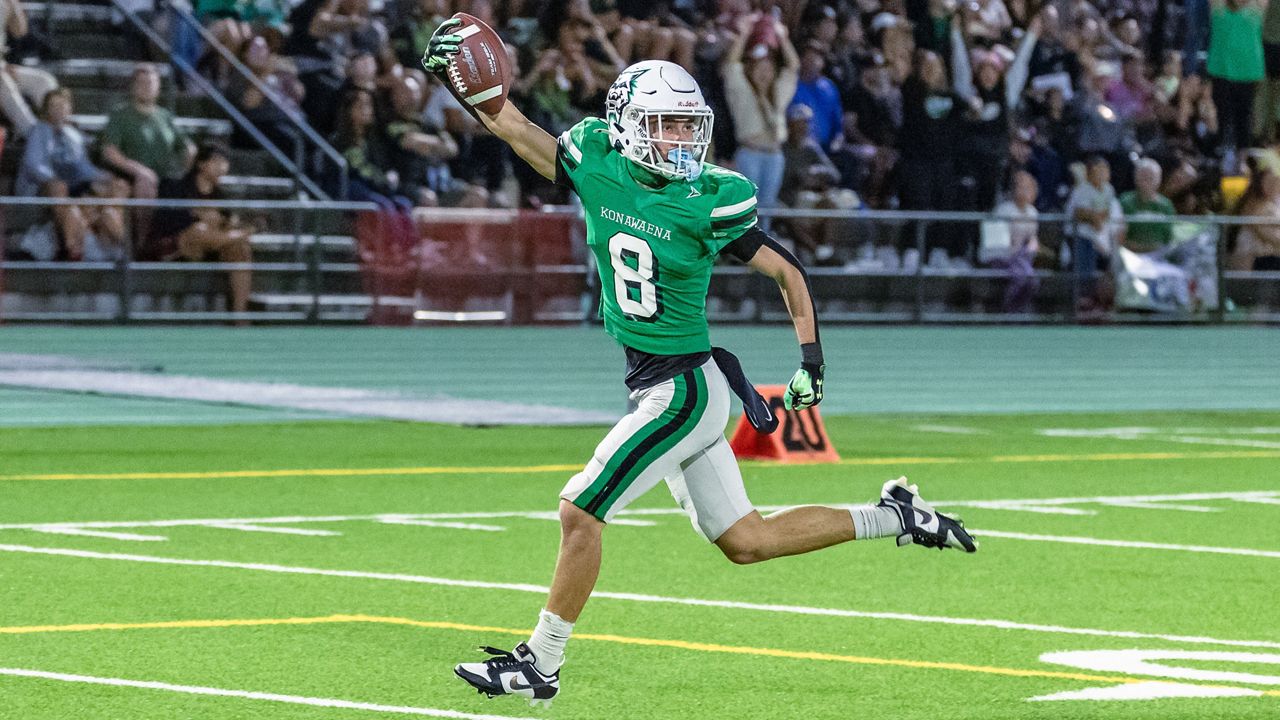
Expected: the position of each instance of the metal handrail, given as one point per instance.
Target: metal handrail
(222, 102)
(298, 119)
(970, 216)
(330, 205)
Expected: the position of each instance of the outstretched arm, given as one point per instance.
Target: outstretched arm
(532, 143)
(535, 145)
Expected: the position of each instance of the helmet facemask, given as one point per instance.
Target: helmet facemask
(679, 159)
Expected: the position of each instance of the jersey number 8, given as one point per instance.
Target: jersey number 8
(634, 287)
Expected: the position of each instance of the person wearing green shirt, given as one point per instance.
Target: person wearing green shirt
(141, 139)
(1147, 234)
(1235, 66)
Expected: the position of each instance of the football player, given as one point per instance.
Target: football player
(657, 218)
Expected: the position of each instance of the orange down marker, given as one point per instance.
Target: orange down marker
(800, 437)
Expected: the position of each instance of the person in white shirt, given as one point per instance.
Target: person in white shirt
(1018, 256)
(758, 91)
(1098, 226)
(21, 87)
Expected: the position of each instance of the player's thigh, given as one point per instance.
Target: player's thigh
(709, 488)
(675, 419)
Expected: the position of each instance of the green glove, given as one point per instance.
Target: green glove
(805, 389)
(442, 47)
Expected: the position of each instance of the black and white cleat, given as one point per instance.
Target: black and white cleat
(510, 673)
(922, 524)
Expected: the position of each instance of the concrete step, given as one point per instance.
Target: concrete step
(101, 100)
(196, 127)
(94, 70)
(254, 187)
(109, 42)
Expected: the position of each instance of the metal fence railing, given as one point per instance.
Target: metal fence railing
(316, 262)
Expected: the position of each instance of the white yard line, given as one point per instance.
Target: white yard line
(1160, 506)
(249, 527)
(1260, 500)
(1073, 540)
(252, 695)
(1041, 505)
(951, 429)
(64, 530)
(440, 524)
(642, 598)
(1232, 442)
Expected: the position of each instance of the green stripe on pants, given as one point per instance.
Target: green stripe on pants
(641, 450)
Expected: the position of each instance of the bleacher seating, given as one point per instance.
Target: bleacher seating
(106, 51)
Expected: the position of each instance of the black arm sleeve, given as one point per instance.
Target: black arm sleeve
(562, 177)
(745, 247)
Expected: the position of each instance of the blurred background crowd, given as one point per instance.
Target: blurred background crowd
(1100, 109)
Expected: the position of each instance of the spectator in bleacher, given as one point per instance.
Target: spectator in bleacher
(811, 182)
(1098, 228)
(201, 234)
(1257, 247)
(848, 51)
(759, 91)
(656, 33)
(1055, 61)
(819, 93)
(56, 164)
(141, 140)
(323, 33)
(1169, 79)
(21, 87)
(1143, 206)
(998, 90)
(1196, 120)
(1017, 258)
(372, 179)
(1132, 95)
(569, 80)
(409, 36)
(928, 145)
(1235, 67)
(894, 41)
(482, 158)
(282, 85)
(1099, 129)
(420, 157)
(877, 101)
(986, 21)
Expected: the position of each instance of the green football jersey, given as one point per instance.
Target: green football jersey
(654, 247)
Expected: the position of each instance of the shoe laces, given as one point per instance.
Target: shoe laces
(501, 658)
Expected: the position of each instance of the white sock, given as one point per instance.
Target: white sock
(548, 641)
(874, 521)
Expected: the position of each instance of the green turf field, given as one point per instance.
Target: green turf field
(277, 567)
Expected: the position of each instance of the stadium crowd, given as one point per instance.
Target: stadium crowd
(1100, 109)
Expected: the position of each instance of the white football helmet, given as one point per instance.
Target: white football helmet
(657, 89)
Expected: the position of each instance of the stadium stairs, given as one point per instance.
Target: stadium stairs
(106, 50)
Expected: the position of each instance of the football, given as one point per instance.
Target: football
(480, 74)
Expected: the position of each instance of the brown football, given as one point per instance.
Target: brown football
(480, 74)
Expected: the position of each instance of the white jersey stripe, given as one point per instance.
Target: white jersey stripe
(572, 149)
(730, 210)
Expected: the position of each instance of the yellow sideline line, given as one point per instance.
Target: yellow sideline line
(620, 639)
(518, 469)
